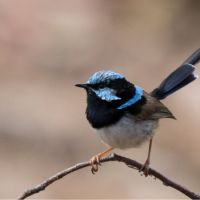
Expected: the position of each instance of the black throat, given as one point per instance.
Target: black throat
(100, 113)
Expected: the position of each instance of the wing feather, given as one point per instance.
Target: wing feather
(153, 109)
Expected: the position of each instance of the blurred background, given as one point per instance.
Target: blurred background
(46, 47)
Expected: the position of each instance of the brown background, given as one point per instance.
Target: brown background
(46, 47)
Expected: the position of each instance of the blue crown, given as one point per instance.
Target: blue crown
(104, 76)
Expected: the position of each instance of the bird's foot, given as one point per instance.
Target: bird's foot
(95, 162)
(145, 168)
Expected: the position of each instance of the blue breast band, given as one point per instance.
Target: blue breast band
(137, 96)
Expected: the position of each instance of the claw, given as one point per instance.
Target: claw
(145, 168)
(95, 162)
(94, 169)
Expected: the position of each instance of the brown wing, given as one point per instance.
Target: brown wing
(153, 109)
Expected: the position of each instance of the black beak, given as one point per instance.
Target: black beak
(84, 85)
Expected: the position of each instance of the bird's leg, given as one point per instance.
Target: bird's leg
(145, 167)
(95, 160)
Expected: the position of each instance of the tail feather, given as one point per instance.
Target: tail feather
(194, 58)
(178, 78)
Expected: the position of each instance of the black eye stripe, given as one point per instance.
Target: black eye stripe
(120, 85)
(99, 85)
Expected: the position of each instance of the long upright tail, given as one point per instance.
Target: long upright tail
(179, 78)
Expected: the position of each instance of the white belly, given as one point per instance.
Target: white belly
(127, 132)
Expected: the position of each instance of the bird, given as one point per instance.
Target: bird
(124, 115)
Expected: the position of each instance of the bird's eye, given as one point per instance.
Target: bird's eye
(121, 91)
(101, 86)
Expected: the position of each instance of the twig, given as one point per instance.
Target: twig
(113, 157)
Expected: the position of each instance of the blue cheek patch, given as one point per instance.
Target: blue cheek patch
(106, 94)
(134, 99)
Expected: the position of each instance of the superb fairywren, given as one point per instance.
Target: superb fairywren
(123, 114)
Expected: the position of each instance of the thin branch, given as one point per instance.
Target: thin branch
(113, 157)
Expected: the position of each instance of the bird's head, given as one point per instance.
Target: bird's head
(109, 87)
(106, 85)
